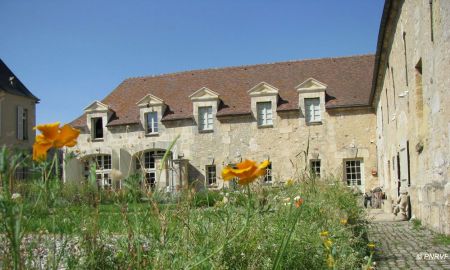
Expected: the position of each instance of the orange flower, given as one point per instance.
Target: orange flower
(298, 201)
(247, 171)
(53, 136)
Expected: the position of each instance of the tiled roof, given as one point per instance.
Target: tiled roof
(11, 84)
(348, 78)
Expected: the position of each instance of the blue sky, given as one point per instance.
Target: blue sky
(70, 53)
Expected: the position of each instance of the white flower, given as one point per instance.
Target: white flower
(16, 196)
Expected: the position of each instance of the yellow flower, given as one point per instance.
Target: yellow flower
(344, 221)
(371, 245)
(324, 233)
(328, 243)
(53, 136)
(330, 261)
(289, 182)
(247, 171)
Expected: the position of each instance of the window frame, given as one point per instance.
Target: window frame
(353, 181)
(314, 168)
(94, 130)
(268, 176)
(103, 170)
(205, 119)
(315, 108)
(211, 176)
(154, 125)
(263, 110)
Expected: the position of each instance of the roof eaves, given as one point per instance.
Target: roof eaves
(381, 36)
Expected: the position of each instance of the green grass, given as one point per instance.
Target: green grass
(256, 228)
(441, 239)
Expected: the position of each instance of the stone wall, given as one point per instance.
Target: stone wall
(343, 134)
(8, 120)
(412, 108)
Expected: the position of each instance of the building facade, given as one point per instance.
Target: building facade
(301, 115)
(411, 86)
(17, 111)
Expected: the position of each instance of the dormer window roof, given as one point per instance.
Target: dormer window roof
(97, 107)
(263, 89)
(204, 94)
(150, 100)
(311, 85)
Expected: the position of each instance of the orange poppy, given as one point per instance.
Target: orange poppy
(247, 171)
(53, 136)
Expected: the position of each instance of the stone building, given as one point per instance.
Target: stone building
(311, 113)
(411, 87)
(17, 111)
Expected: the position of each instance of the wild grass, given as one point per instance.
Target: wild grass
(77, 226)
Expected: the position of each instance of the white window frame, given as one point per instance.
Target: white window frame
(205, 118)
(103, 168)
(152, 123)
(211, 175)
(354, 173)
(94, 130)
(316, 166)
(268, 177)
(149, 167)
(264, 113)
(312, 110)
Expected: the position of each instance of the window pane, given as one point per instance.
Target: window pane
(264, 113)
(205, 118)
(152, 122)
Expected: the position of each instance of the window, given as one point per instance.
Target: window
(97, 128)
(211, 174)
(406, 58)
(387, 104)
(315, 167)
(151, 120)
(312, 110)
(148, 160)
(264, 113)
(393, 87)
(268, 176)
(431, 21)
(205, 118)
(353, 174)
(102, 170)
(22, 123)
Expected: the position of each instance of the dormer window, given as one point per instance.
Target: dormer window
(205, 118)
(312, 110)
(151, 119)
(264, 113)
(311, 94)
(263, 100)
(204, 104)
(151, 109)
(97, 115)
(97, 128)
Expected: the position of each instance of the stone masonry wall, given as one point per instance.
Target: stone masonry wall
(412, 108)
(343, 134)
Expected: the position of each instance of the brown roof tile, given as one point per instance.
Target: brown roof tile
(349, 82)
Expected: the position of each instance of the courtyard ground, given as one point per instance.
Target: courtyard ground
(405, 244)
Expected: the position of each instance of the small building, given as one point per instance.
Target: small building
(411, 94)
(17, 111)
(301, 115)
